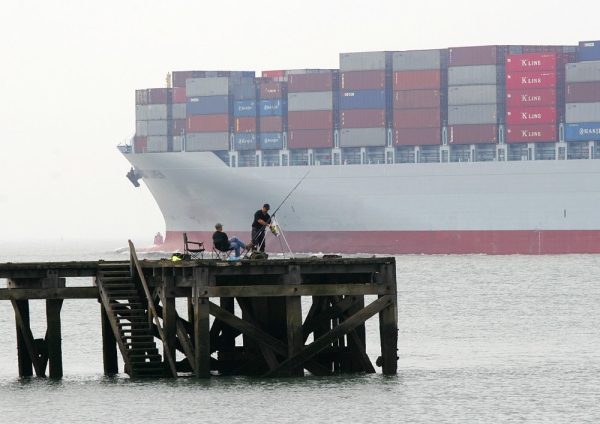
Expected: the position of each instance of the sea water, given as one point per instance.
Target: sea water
(482, 339)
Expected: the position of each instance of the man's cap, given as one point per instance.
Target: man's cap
(218, 225)
(266, 206)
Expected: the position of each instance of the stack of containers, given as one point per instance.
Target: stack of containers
(153, 126)
(533, 102)
(582, 95)
(272, 111)
(312, 109)
(419, 97)
(141, 121)
(475, 93)
(178, 117)
(245, 112)
(364, 98)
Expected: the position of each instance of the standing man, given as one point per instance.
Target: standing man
(262, 219)
(224, 243)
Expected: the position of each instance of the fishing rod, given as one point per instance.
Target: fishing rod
(290, 193)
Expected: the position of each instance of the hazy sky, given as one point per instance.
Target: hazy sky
(69, 70)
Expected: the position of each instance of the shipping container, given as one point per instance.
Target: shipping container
(417, 136)
(474, 114)
(207, 105)
(531, 115)
(178, 95)
(178, 127)
(269, 124)
(274, 107)
(271, 74)
(310, 139)
(310, 120)
(245, 108)
(178, 143)
(244, 125)
(420, 60)
(362, 118)
(473, 134)
(316, 100)
(141, 112)
(365, 61)
(273, 140)
(532, 97)
(585, 131)
(272, 90)
(582, 112)
(419, 118)
(157, 96)
(178, 110)
(362, 80)
(141, 97)
(420, 99)
(420, 80)
(582, 92)
(207, 123)
(475, 94)
(477, 55)
(245, 141)
(363, 99)
(533, 79)
(244, 91)
(156, 112)
(473, 75)
(140, 144)
(589, 51)
(158, 127)
(531, 62)
(157, 144)
(312, 82)
(179, 77)
(583, 72)
(199, 142)
(363, 137)
(217, 86)
(531, 133)
(141, 128)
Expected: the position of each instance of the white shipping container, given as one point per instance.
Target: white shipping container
(316, 100)
(475, 94)
(157, 144)
(218, 86)
(577, 113)
(178, 111)
(178, 143)
(199, 142)
(157, 112)
(366, 61)
(473, 114)
(141, 112)
(583, 72)
(141, 128)
(160, 127)
(418, 60)
(363, 137)
(479, 74)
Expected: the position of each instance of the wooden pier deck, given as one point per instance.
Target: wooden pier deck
(243, 317)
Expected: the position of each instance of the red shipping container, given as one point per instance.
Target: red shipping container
(531, 115)
(531, 133)
(362, 118)
(178, 125)
(531, 62)
(140, 144)
(420, 80)
(271, 90)
(179, 95)
(310, 120)
(582, 92)
(473, 134)
(208, 123)
(158, 96)
(477, 55)
(271, 74)
(531, 98)
(417, 136)
(271, 124)
(362, 80)
(179, 77)
(244, 124)
(419, 99)
(302, 83)
(418, 118)
(533, 79)
(310, 139)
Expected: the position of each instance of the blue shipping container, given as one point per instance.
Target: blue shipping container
(589, 51)
(244, 108)
(363, 99)
(245, 141)
(207, 105)
(244, 92)
(582, 132)
(271, 141)
(271, 107)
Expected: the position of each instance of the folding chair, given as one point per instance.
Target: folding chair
(222, 254)
(194, 249)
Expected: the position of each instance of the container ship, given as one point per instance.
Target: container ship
(464, 150)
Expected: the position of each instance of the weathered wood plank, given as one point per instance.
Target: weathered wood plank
(22, 318)
(266, 350)
(56, 293)
(54, 337)
(201, 324)
(109, 344)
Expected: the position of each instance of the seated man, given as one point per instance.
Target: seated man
(224, 244)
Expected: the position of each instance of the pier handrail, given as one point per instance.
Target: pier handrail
(152, 309)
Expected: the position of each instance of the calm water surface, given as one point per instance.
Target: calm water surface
(483, 339)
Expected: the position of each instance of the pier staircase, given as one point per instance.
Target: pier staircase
(129, 321)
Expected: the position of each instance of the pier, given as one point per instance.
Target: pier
(256, 317)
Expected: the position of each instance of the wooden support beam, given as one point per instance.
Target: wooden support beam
(109, 344)
(251, 319)
(53, 293)
(337, 332)
(388, 326)
(25, 343)
(356, 339)
(295, 290)
(293, 311)
(201, 323)
(324, 317)
(169, 317)
(54, 337)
